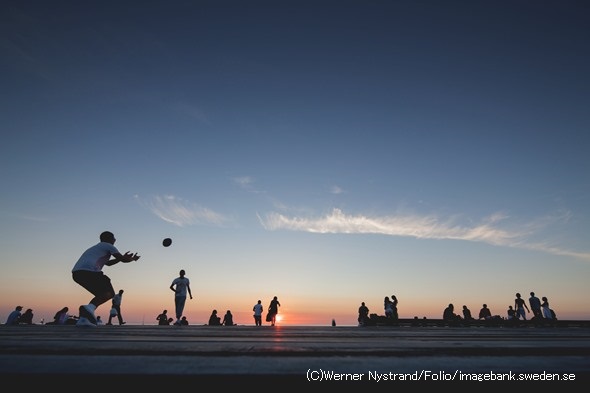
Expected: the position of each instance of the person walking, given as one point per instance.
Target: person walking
(273, 310)
(116, 305)
(180, 286)
(258, 313)
(519, 307)
(87, 272)
(535, 304)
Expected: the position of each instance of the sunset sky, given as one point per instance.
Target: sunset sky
(324, 152)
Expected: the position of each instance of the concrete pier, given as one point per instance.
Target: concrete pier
(308, 355)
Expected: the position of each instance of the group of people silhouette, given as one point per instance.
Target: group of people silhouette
(62, 316)
(540, 309)
(163, 318)
(389, 307)
(215, 320)
(228, 319)
(17, 317)
(87, 272)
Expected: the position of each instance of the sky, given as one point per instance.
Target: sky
(325, 152)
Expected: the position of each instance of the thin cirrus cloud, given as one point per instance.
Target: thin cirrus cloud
(183, 213)
(336, 190)
(420, 227)
(244, 181)
(247, 183)
(180, 212)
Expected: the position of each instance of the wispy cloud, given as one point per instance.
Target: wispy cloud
(180, 212)
(246, 183)
(336, 190)
(243, 181)
(489, 230)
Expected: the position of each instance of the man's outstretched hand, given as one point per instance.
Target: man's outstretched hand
(129, 256)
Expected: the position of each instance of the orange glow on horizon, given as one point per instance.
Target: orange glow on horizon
(142, 307)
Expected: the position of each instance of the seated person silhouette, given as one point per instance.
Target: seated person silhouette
(228, 319)
(214, 320)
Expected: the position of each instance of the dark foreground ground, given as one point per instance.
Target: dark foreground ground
(241, 356)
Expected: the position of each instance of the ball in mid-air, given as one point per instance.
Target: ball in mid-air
(167, 242)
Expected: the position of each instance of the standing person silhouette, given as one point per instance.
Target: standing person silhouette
(535, 304)
(87, 272)
(394, 302)
(388, 307)
(273, 310)
(519, 307)
(180, 286)
(116, 304)
(258, 313)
